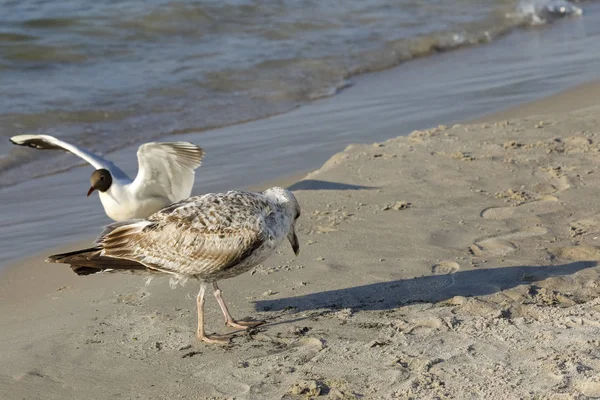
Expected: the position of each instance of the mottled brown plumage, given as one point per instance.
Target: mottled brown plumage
(211, 237)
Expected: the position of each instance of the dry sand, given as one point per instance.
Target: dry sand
(459, 262)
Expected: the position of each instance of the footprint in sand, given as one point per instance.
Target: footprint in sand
(558, 179)
(294, 351)
(503, 244)
(562, 183)
(445, 267)
(584, 227)
(553, 186)
(545, 205)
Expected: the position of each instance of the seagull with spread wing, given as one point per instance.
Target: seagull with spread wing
(211, 237)
(165, 175)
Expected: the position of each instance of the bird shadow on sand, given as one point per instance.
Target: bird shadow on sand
(315, 184)
(426, 289)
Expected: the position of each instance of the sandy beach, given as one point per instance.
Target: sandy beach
(458, 262)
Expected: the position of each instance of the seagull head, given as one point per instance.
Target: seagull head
(101, 180)
(291, 208)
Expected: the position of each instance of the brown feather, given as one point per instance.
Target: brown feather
(90, 261)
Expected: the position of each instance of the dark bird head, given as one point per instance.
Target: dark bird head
(101, 180)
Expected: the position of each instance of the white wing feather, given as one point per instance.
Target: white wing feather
(167, 170)
(47, 142)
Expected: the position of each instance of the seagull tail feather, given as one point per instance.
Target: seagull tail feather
(91, 261)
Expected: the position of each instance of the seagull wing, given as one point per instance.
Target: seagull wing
(167, 169)
(47, 142)
(203, 235)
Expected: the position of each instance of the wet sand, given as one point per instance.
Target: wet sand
(457, 262)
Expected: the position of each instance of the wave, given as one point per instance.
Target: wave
(539, 12)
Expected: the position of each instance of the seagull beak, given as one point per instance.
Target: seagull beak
(294, 241)
(90, 191)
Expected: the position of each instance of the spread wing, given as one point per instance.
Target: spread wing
(199, 236)
(167, 169)
(47, 142)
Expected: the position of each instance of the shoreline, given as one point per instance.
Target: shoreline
(576, 98)
(416, 95)
(453, 262)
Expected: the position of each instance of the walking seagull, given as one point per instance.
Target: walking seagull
(211, 237)
(165, 175)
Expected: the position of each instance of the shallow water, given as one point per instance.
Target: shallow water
(38, 214)
(110, 73)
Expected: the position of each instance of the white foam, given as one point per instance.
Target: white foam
(540, 12)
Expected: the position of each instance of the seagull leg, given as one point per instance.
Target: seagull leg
(201, 335)
(228, 318)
